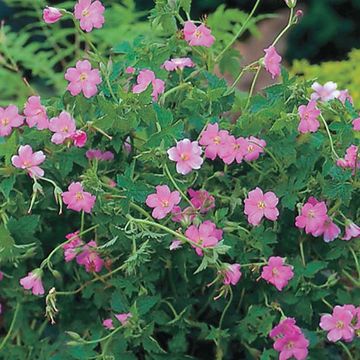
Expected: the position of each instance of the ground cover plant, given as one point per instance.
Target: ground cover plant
(152, 211)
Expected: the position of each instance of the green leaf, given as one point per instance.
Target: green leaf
(145, 304)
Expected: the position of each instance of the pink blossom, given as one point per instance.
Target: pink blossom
(79, 138)
(344, 95)
(356, 124)
(214, 140)
(77, 199)
(33, 282)
(258, 205)
(325, 93)
(90, 258)
(201, 200)
(108, 324)
(130, 70)
(187, 155)
(82, 78)
(277, 273)
(289, 340)
(294, 345)
(206, 235)
(351, 231)
(99, 155)
(1, 275)
(72, 248)
(338, 325)
(177, 64)
(232, 149)
(198, 35)
(253, 147)
(232, 274)
(63, 126)
(9, 119)
(51, 15)
(35, 113)
(329, 230)
(144, 79)
(123, 318)
(185, 217)
(29, 161)
(90, 14)
(272, 61)
(351, 158)
(309, 117)
(175, 244)
(312, 217)
(163, 201)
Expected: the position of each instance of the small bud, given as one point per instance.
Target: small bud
(291, 3)
(74, 335)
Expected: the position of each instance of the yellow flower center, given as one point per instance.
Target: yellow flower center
(165, 203)
(5, 121)
(85, 12)
(339, 325)
(79, 196)
(311, 214)
(250, 148)
(198, 34)
(261, 205)
(83, 76)
(217, 140)
(184, 157)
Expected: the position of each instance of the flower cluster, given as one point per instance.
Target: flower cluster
(289, 340)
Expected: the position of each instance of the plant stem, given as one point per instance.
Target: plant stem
(356, 260)
(6, 338)
(238, 34)
(253, 86)
(348, 353)
(330, 138)
(301, 246)
(287, 27)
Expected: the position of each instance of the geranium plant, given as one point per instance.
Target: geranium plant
(153, 211)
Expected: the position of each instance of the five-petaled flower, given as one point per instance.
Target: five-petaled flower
(309, 117)
(90, 14)
(63, 126)
(35, 113)
(77, 199)
(29, 161)
(33, 282)
(82, 78)
(272, 61)
(9, 119)
(163, 201)
(277, 273)
(197, 35)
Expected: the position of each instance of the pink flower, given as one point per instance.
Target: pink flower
(90, 14)
(197, 35)
(294, 345)
(177, 64)
(175, 244)
(1, 275)
(351, 231)
(123, 318)
(35, 113)
(63, 126)
(253, 147)
(232, 149)
(29, 161)
(356, 124)
(79, 138)
(206, 235)
(312, 217)
(163, 201)
(329, 229)
(129, 70)
(338, 325)
(108, 324)
(289, 340)
(272, 61)
(201, 200)
(99, 155)
(232, 274)
(309, 117)
(51, 15)
(185, 217)
(77, 199)
(276, 273)
(324, 93)
(144, 79)
(258, 205)
(214, 140)
(351, 158)
(9, 119)
(83, 79)
(90, 258)
(187, 155)
(344, 95)
(33, 282)
(71, 249)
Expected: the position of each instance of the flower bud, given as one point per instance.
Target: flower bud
(291, 3)
(51, 15)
